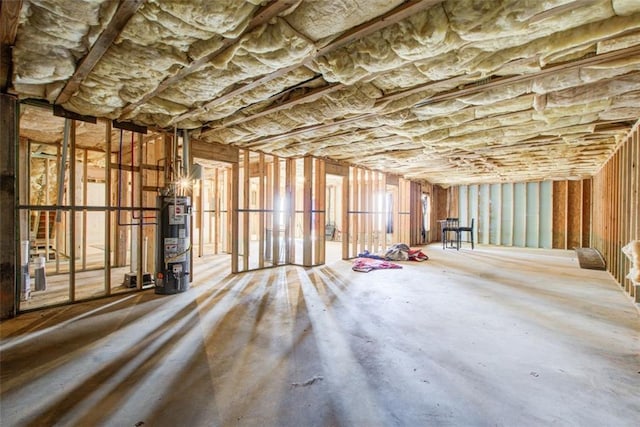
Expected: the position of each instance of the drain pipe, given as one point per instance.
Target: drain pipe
(185, 153)
(62, 168)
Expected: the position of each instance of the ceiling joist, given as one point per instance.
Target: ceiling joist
(125, 11)
(9, 18)
(394, 16)
(262, 16)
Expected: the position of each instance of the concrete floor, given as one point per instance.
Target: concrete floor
(494, 336)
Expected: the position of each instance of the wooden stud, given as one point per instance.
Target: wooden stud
(85, 173)
(277, 205)
(201, 213)
(306, 215)
(351, 208)
(320, 212)
(140, 267)
(574, 214)
(58, 225)
(72, 212)
(214, 231)
(9, 169)
(345, 217)
(233, 214)
(261, 207)
(107, 214)
(246, 193)
(586, 212)
(289, 216)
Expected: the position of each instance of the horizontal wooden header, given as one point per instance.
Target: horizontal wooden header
(214, 151)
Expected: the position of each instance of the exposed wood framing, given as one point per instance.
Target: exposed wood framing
(261, 207)
(616, 208)
(310, 96)
(246, 193)
(125, 11)
(455, 93)
(108, 214)
(320, 215)
(535, 214)
(9, 256)
(262, 16)
(396, 15)
(214, 151)
(72, 220)
(275, 204)
(345, 216)
(290, 194)
(307, 212)
(9, 20)
(235, 229)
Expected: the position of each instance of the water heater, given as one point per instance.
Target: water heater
(173, 255)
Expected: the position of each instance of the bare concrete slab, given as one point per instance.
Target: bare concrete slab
(493, 336)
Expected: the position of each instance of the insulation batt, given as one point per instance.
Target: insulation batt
(632, 251)
(321, 19)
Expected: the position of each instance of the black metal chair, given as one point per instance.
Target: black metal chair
(450, 227)
(469, 230)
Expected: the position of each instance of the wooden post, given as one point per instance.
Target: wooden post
(321, 212)
(9, 256)
(233, 214)
(72, 220)
(345, 216)
(246, 192)
(275, 208)
(306, 215)
(140, 267)
(289, 215)
(107, 214)
(85, 172)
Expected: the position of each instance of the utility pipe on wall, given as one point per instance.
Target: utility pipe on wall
(62, 167)
(185, 153)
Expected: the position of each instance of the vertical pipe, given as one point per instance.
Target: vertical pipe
(185, 153)
(62, 167)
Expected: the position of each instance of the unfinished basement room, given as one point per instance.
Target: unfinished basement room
(319, 213)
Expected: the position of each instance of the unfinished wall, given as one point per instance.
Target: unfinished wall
(616, 208)
(543, 214)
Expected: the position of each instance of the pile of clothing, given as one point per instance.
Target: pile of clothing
(367, 261)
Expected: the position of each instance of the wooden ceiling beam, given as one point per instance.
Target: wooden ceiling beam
(605, 57)
(310, 96)
(502, 81)
(262, 16)
(560, 9)
(125, 11)
(9, 19)
(392, 17)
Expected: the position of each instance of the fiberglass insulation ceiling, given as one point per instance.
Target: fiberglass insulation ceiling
(464, 91)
